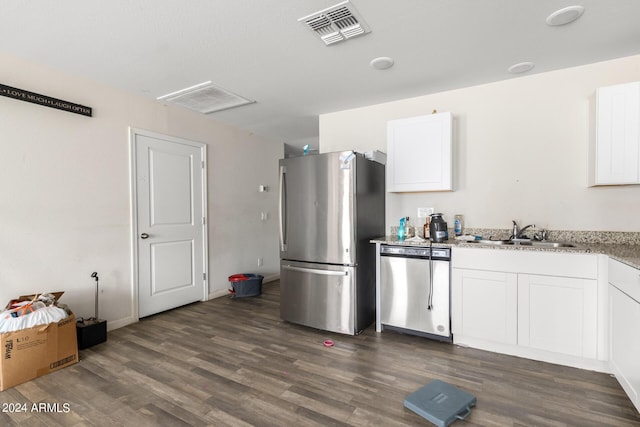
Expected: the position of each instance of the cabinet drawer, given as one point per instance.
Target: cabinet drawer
(580, 265)
(625, 278)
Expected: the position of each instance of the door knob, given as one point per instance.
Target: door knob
(144, 236)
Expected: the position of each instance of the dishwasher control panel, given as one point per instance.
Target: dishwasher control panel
(415, 252)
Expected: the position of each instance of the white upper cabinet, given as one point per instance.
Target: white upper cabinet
(614, 151)
(420, 153)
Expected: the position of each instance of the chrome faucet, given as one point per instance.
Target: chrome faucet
(541, 236)
(516, 233)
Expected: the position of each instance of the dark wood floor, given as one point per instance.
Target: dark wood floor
(233, 362)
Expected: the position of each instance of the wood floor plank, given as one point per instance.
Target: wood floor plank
(234, 362)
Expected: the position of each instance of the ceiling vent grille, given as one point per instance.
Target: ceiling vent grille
(336, 23)
(205, 98)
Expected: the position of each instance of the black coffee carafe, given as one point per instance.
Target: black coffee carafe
(438, 231)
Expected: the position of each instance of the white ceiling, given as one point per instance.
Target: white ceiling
(259, 50)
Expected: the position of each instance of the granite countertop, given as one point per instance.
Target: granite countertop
(627, 254)
(624, 252)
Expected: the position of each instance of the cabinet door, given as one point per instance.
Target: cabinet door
(617, 157)
(625, 342)
(419, 153)
(558, 314)
(485, 305)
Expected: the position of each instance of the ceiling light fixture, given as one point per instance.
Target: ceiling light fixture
(521, 67)
(565, 15)
(382, 63)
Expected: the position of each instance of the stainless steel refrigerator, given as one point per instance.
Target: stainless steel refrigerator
(331, 206)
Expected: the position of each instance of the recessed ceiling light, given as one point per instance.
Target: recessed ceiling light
(521, 67)
(565, 15)
(381, 63)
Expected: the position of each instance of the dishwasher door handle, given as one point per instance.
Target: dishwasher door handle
(430, 296)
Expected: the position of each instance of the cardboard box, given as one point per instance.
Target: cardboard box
(31, 353)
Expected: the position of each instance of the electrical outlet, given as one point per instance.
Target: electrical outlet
(425, 212)
(260, 262)
(264, 216)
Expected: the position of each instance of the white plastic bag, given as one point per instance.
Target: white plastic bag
(42, 316)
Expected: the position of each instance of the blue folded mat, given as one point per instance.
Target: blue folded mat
(440, 403)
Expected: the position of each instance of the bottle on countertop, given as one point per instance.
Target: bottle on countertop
(401, 229)
(457, 225)
(410, 230)
(427, 222)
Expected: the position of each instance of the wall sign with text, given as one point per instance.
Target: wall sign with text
(47, 101)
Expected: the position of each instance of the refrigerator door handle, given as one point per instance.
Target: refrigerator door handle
(281, 210)
(316, 271)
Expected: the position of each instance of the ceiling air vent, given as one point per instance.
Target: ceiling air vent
(205, 98)
(336, 23)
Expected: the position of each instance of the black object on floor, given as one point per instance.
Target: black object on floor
(440, 403)
(91, 332)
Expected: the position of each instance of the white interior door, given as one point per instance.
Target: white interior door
(169, 221)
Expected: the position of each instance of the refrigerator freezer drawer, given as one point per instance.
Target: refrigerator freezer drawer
(318, 295)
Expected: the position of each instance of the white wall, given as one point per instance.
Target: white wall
(520, 151)
(65, 191)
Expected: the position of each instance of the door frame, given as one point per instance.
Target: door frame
(133, 169)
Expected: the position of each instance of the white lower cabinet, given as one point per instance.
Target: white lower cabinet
(624, 331)
(558, 314)
(543, 306)
(625, 342)
(486, 305)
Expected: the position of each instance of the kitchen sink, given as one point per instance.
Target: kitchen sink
(550, 244)
(533, 243)
(493, 242)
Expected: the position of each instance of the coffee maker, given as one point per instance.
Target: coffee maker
(438, 231)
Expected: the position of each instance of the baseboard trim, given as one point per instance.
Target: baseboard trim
(271, 278)
(219, 293)
(534, 354)
(224, 292)
(115, 324)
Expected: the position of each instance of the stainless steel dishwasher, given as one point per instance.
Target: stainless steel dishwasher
(415, 290)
